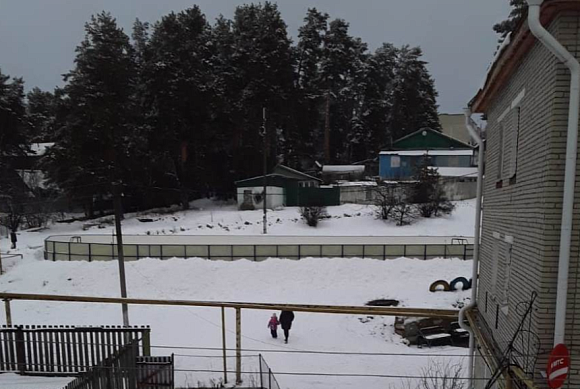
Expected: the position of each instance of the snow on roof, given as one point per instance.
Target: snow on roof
(356, 183)
(39, 149)
(343, 168)
(457, 171)
(427, 152)
(498, 53)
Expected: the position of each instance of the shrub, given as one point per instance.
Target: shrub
(312, 215)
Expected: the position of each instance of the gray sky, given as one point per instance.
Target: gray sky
(38, 37)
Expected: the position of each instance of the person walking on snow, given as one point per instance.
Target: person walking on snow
(273, 326)
(13, 239)
(286, 318)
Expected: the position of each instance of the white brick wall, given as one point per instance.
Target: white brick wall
(529, 208)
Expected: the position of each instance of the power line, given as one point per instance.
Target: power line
(308, 374)
(278, 351)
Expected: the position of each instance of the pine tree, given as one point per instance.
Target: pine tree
(342, 72)
(95, 138)
(13, 140)
(503, 28)
(309, 97)
(414, 99)
(40, 114)
(177, 79)
(377, 98)
(262, 58)
(13, 135)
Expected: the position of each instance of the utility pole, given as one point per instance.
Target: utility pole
(1, 256)
(327, 128)
(120, 253)
(265, 180)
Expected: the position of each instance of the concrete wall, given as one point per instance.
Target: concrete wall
(275, 198)
(522, 213)
(454, 126)
(357, 194)
(460, 190)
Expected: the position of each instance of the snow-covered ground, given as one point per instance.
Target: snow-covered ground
(315, 281)
(309, 281)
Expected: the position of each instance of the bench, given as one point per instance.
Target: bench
(434, 336)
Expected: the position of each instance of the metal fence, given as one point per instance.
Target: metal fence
(75, 249)
(267, 378)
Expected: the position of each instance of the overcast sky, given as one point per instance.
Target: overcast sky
(38, 37)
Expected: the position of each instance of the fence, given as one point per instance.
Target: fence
(155, 372)
(118, 371)
(64, 350)
(267, 378)
(229, 248)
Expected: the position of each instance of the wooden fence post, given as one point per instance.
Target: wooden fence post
(8, 312)
(224, 345)
(20, 350)
(147, 343)
(238, 346)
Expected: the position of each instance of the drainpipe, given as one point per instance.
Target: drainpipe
(571, 157)
(474, 131)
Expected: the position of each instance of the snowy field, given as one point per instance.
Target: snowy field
(309, 281)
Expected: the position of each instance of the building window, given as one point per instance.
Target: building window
(514, 142)
(509, 134)
(501, 270)
(395, 161)
(500, 152)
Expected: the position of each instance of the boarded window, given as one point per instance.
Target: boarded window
(509, 130)
(514, 141)
(500, 151)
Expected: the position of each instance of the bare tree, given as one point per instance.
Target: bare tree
(385, 200)
(404, 213)
(312, 215)
(439, 375)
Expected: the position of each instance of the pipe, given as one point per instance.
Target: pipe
(571, 158)
(474, 131)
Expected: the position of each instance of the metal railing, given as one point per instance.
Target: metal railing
(267, 378)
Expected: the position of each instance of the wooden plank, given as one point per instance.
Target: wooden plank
(2, 341)
(57, 349)
(20, 350)
(93, 349)
(363, 310)
(42, 354)
(238, 346)
(75, 356)
(34, 335)
(50, 352)
(12, 349)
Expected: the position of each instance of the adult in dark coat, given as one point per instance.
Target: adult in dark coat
(286, 318)
(13, 239)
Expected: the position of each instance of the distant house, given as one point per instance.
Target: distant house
(443, 151)
(333, 173)
(453, 125)
(285, 187)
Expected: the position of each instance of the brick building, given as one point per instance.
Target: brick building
(526, 100)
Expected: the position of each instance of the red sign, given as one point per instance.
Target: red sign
(558, 366)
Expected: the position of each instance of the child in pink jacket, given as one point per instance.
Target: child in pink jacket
(273, 326)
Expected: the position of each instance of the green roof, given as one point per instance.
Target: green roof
(429, 139)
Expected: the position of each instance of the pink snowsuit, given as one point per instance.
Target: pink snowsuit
(273, 326)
